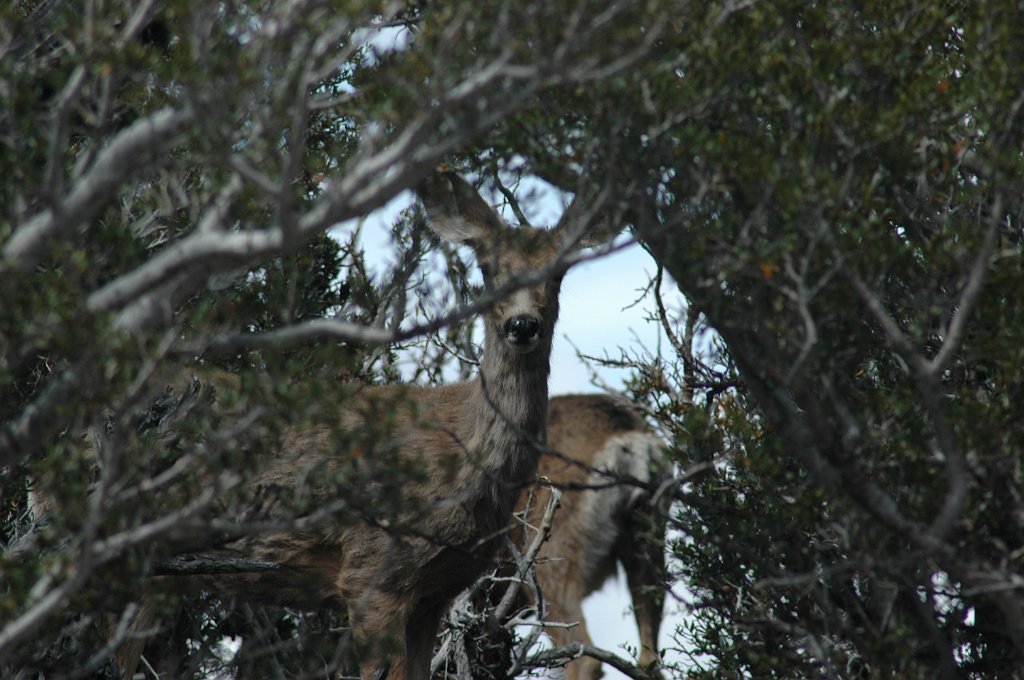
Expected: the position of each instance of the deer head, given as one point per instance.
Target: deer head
(524, 319)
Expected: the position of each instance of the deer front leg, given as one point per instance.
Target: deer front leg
(378, 621)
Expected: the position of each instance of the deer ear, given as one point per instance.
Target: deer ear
(599, 233)
(586, 229)
(456, 211)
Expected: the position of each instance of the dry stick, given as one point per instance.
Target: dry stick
(199, 563)
(683, 350)
(565, 653)
(683, 346)
(59, 116)
(530, 558)
(523, 565)
(510, 198)
(529, 577)
(94, 554)
(690, 383)
(969, 295)
(103, 655)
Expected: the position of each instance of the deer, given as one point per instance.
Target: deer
(593, 442)
(477, 444)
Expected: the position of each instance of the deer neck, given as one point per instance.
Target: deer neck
(515, 387)
(509, 414)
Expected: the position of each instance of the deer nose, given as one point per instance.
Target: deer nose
(522, 330)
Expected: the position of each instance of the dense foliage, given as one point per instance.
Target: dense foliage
(835, 188)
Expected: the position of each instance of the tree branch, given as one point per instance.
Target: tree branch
(346, 331)
(136, 147)
(559, 656)
(969, 295)
(196, 564)
(527, 561)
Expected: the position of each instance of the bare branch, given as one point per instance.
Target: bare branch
(35, 614)
(969, 295)
(370, 183)
(685, 352)
(346, 331)
(94, 553)
(926, 375)
(454, 352)
(198, 563)
(690, 363)
(513, 203)
(227, 250)
(923, 368)
(58, 129)
(831, 472)
(20, 432)
(562, 655)
(893, 333)
(530, 558)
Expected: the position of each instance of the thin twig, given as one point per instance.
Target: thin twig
(530, 558)
(513, 203)
(346, 331)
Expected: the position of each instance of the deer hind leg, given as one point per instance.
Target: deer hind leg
(378, 626)
(642, 553)
(132, 642)
(420, 636)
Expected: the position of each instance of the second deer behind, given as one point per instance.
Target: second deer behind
(610, 464)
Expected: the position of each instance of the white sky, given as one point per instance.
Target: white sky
(598, 317)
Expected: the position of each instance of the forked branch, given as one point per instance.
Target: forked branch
(558, 656)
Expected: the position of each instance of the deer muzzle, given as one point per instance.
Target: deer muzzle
(522, 332)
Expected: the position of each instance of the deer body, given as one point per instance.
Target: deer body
(596, 529)
(477, 444)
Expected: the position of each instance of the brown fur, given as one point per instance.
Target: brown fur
(397, 584)
(583, 551)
